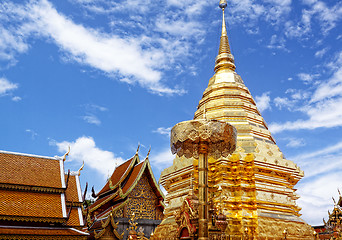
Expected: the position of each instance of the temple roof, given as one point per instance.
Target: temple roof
(30, 170)
(122, 182)
(35, 189)
(119, 174)
(31, 204)
(73, 191)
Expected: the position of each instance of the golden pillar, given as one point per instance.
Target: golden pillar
(201, 139)
(203, 191)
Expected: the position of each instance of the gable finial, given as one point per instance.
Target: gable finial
(148, 154)
(136, 153)
(79, 170)
(66, 154)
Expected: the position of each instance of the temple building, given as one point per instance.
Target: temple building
(38, 199)
(131, 191)
(332, 228)
(258, 194)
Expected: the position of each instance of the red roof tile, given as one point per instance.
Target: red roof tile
(71, 194)
(30, 204)
(133, 177)
(29, 170)
(74, 219)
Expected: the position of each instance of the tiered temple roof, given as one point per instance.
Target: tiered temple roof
(38, 199)
(332, 228)
(131, 188)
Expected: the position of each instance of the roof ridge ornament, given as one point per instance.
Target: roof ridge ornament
(148, 154)
(66, 154)
(136, 153)
(79, 170)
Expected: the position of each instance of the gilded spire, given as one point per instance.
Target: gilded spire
(224, 59)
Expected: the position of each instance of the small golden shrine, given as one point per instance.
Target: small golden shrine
(332, 229)
(131, 189)
(38, 199)
(257, 193)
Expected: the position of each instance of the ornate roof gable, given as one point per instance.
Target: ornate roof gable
(127, 184)
(119, 175)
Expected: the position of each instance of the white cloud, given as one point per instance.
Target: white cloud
(163, 131)
(332, 87)
(6, 86)
(295, 142)
(32, 133)
(322, 152)
(277, 42)
(307, 78)
(316, 196)
(263, 101)
(179, 27)
(323, 169)
(10, 44)
(281, 102)
(319, 14)
(132, 59)
(92, 119)
(91, 113)
(322, 107)
(327, 114)
(95, 107)
(85, 149)
(16, 98)
(321, 53)
(162, 159)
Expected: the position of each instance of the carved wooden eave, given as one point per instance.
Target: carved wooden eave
(31, 188)
(109, 198)
(33, 219)
(110, 220)
(111, 210)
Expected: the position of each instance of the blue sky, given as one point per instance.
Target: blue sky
(103, 76)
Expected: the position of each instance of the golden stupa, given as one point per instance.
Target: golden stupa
(254, 186)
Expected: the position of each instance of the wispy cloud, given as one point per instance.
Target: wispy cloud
(323, 169)
(277, 42)
(163, 131)
(32, 133)
(132, 59)
(321, 53)
(295, 142)
(316, 12)
(263, 101)
(85, 149)
(91, 113)
(307, 78)
(6, 87)
(162, 159)
(95, 107)
(322, 107)
(92, 119)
